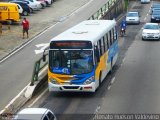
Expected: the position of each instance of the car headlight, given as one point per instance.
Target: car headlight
(53, 81)
(144, 33)
(152, 17)
(156, 33)
(89, 80)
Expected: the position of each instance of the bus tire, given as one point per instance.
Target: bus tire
(111, 69)
(100, 77)
(99, 82)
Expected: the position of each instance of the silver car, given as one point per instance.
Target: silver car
(132, 18)
(35, 114)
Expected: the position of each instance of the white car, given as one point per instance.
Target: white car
(145, 1)
(35, 114)
(151, 31)
(132, 18)
(20, 9)
(37, 3)
(49, 2)
(33, 5)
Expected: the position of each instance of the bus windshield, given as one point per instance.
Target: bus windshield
(71, 62)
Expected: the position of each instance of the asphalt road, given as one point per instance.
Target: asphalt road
(135, 87)
(16, 71)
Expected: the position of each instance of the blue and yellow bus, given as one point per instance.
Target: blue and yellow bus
(82, 56)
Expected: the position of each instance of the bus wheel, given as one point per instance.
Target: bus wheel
(111, 69)
(99, 82)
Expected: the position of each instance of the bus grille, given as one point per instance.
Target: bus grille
(70, 87)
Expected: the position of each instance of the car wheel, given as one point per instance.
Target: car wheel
(31, 10)
(143, 38)
(25, 13)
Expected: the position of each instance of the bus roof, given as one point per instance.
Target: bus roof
(89, 30)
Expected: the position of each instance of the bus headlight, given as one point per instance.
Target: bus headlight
(53, 81)
(89, 80)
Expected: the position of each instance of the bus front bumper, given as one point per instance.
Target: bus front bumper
(72, 88)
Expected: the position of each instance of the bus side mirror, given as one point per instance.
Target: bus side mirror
(44, 58)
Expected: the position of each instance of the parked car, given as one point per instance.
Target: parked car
(145, 1)
(35, 114)
(39, 5)
(20, 9)
(155, 17)
(151, 31)
(26, 8)
(132, 18)
(43, 3)
(49, 2)
(33, 5)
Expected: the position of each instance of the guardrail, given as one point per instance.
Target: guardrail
(101, 12)
(39, 64)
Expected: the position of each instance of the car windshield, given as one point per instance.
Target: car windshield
(132, 14)
(154, 27)
(71, 62)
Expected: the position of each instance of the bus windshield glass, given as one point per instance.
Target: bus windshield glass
(71, 62)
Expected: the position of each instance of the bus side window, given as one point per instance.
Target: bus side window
(105, 42)
(102, 45)
(110, 34)
(45, 118)
(115, 34)
(108, 40)
(97, 54)
(99, 47)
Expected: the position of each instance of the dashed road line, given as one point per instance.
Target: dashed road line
(124, 59)
(109, 87)
(113, 80)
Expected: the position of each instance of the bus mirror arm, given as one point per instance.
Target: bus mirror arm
(44, 54)
(44, 57)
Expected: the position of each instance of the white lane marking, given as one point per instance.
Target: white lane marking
(124, 59)
(109, 87)
(38, 97)
(11, 102)
(96, 112)
(42, 47)
(113, 80)
(97, 109)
